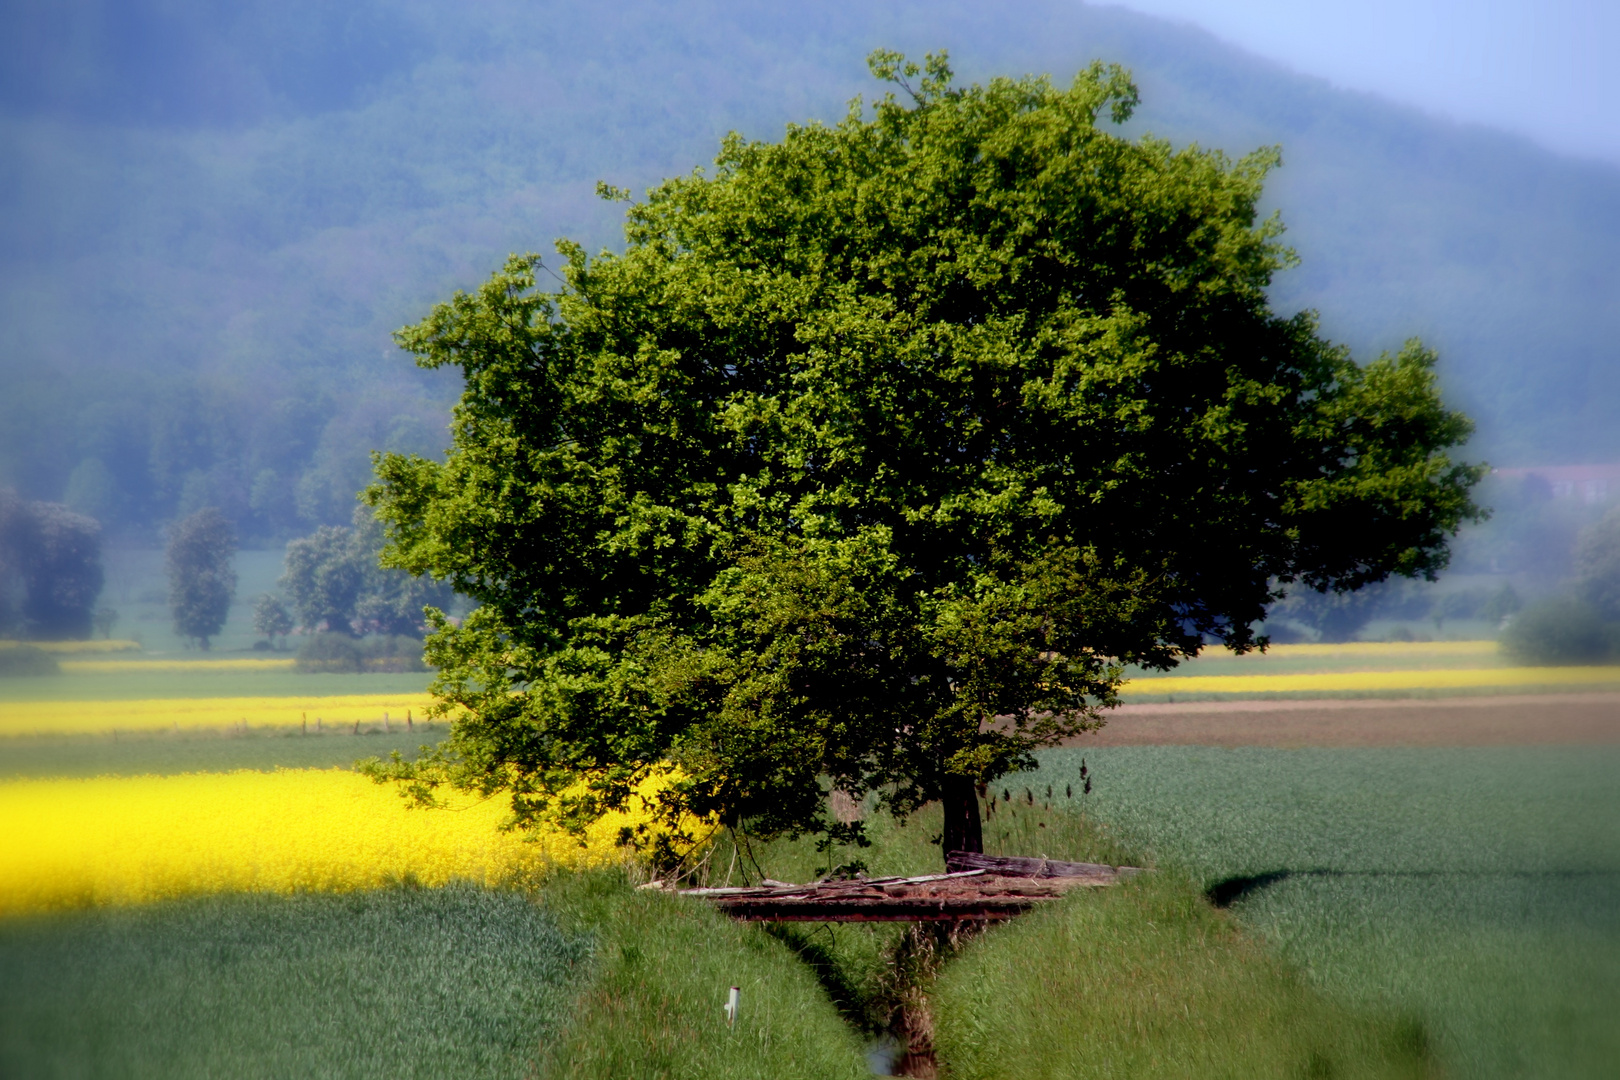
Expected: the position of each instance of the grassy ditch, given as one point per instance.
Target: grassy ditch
(654, 1005)
(1147, 979)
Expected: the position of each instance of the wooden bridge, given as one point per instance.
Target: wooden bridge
(978, 888)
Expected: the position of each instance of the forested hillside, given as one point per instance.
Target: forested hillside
(214, 214)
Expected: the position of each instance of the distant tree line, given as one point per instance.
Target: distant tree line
(1580, 623)
(355, 614)
(157, 450)
(50, 570)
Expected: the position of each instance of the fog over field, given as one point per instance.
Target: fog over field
(215, 214)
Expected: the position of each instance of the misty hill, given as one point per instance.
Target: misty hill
(215, 213)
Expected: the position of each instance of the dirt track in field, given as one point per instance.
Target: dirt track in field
(1554, 719)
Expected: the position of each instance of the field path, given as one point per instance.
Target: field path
(1555, 719)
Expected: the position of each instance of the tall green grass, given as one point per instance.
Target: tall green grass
(1147, 980)
(400, 983)
(1476, 890)
(663, 968)
(587, 977)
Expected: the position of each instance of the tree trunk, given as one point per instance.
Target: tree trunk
(961, 802)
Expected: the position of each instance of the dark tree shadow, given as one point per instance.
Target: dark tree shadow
(1225, 893)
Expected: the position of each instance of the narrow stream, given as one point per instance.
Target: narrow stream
(883, 1054)
(888, 1056)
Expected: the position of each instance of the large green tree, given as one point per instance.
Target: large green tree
(878, 454)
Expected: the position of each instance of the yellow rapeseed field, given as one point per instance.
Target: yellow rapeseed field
(108, 667)
(72, 843)
(1383, 649)
(1378, 681)
(100, 645)
(154, 714)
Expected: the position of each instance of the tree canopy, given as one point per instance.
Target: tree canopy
(880, 452)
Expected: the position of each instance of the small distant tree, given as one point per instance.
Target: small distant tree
(1597, 565)
(322, 579)
(391, 601)
(1558, 630)
(336, 583)
(201, 578)
(270, 618)
(1503, 603)
(1341, 616)
(12, 529)
(50, 569)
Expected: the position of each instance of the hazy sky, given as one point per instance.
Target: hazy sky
(1545, 68)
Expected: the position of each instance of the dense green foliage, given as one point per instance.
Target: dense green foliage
(1476, 890)
(397, 983)
(50, 569)
(1597, 565)
(886, 429)
(340, 653)
(271, 618)
(202, 581)
(334, 583)
(1560, 630)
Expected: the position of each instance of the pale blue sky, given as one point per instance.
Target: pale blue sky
(1549, 69)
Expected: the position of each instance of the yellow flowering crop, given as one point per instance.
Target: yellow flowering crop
(107, 667)
(1376, 681)
(100, 645)
(110, 840)
(153, 714)
(1403, 649)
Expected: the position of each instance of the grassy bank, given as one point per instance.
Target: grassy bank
(1148, 980)
(654, 1005)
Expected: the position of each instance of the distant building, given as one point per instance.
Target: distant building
(1588, 483)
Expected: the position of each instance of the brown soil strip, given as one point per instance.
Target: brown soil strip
(1561, 719)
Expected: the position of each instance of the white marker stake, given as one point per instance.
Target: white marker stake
(732, 1000)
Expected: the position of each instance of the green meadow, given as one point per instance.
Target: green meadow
(1475, 891)
(1344, 912)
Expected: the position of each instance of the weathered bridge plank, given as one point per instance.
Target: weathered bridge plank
(999, 889)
